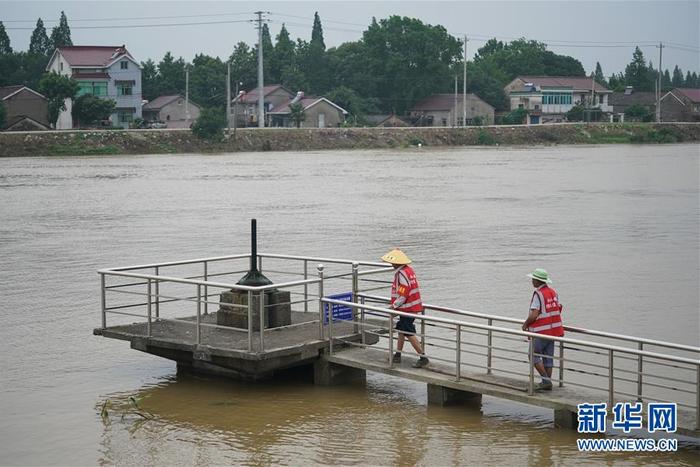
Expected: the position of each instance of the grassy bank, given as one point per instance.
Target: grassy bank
(61, 143)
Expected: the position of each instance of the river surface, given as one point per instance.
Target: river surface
(616, 226)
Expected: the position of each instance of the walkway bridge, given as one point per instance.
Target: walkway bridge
(169, 310)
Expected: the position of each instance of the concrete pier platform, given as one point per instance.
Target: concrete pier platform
(224, 351)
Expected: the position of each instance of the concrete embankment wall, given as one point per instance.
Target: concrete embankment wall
(85, 142)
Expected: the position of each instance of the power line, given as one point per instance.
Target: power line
(130, 26)
(128, 19)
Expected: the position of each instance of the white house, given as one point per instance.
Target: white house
(548, 98)
(109, 72)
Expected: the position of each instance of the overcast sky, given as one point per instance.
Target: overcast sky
(603, 31)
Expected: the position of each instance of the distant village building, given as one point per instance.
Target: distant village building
(172, 111)
(319, 112)
(676, 105)
(691, 101)
(445, 110)
(26, 109)
(548, 98)
(386, 120)
(245, 107)
(108, 72)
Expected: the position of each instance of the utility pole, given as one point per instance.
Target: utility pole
(261, 97)
(464, 85)
(592, 94)
(228, 97)
(187, 95)
(454, 113)
(658, 86)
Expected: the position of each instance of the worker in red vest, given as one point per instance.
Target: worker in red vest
(544, 318)
(405, 297)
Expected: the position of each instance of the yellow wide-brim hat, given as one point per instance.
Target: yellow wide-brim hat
(396, 256)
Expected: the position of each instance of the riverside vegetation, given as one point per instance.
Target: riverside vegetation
(271, 139)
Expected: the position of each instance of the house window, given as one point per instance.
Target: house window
(444, 122)
(600, 98)
(124, 65)
(60, 66)
(124, 89)
(96, 88)
(556, 98)
(125, 116)
(460, 121)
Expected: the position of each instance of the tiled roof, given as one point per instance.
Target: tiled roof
(161, 101)
(622, 100)
(92, 55)
(691, 93)
(251, 97)
(576, 82)
(7, 90)
(440, 102)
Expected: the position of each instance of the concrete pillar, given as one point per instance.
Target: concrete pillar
(330, 374)
(443, 396)
(565, 419)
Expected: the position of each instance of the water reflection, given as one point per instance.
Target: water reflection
(200, 421)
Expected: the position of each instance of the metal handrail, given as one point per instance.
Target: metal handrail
(178, 263)
(590, 332)
(207, 283)
(322, 260)
(567, 340)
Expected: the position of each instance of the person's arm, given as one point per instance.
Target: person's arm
(402, 291)
(531, 318)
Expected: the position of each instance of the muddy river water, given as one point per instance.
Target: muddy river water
(618, 227)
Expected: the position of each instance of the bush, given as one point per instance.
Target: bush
(639, 113)
(484, 138)
(88, 109)
(663, 135)
(210, 124)
(516, 117)
(579, 113)
(478, 121)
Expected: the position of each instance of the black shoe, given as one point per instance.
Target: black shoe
(421, 362)
(544, 387)
(396, 358)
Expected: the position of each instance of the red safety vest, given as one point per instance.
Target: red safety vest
(549, 320)
(413, 303)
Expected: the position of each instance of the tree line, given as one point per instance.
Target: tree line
(396, 62)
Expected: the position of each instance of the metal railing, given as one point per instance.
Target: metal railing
(193, 298)
(449, 345)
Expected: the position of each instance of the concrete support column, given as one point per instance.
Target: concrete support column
(443, 396)
(565, 419)
(330, 374)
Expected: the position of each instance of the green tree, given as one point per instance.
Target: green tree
(89, 109)
(689, 81)
(296, 112)
(244, 65)
(695, 81)
(267, 52)
(637, 73)
(150, 80)
(171, 75)
(617, 82)
(5, 47)
(208, 81)
(409, 59)
(666, 80)
(40, 43)
(3, 115)
(60, 35)
(210, 124)
(313, 59)
(351, 101)
(57, 88)
(639, 113)
(283, 57)
(599, 76)
(677, 79)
